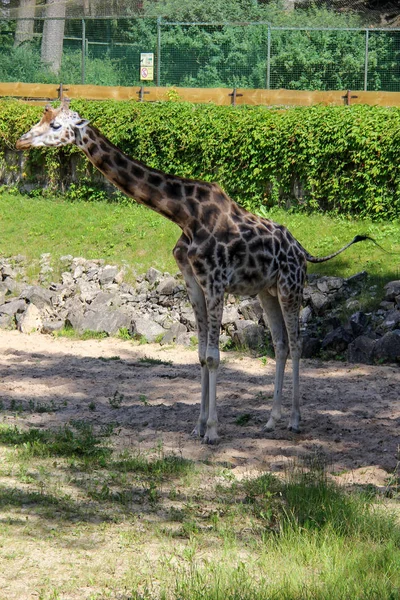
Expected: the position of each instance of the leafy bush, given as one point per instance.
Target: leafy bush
(339, 159)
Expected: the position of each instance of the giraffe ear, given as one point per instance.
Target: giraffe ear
(82, 123)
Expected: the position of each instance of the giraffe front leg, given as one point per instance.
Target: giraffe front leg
(198, 302)
(201, 424)
(215, 306)
(211, 433)
(281, 352)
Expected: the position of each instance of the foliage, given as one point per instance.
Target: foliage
(220, 44)
(337, 159)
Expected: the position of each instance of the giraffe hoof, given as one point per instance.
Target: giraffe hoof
(199, 430)
(293, 429)
(211, 441)
(269, 426)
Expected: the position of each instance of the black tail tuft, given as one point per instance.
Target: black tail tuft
(362, 238)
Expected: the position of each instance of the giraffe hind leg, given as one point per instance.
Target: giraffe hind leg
(277, 327)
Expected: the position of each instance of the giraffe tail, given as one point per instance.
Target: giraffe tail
(358, 238)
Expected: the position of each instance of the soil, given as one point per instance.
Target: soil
(350, 413)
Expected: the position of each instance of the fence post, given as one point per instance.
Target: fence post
(269, 57)
(366, 60)
(158, 51)
(83, 51)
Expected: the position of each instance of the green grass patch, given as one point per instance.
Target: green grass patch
(125, 233)
(158, 526)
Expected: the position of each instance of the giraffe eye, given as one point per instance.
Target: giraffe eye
(54, 125)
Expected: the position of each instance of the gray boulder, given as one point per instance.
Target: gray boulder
(249, 335)
(31, 320)
(145, 327)
(387, 348)
(361, 350)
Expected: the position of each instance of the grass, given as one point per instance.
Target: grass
(82, 518)
(133, 525)
(124, 233)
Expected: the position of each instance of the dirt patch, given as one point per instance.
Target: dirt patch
(350, 413)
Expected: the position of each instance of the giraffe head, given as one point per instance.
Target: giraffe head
(57, 127)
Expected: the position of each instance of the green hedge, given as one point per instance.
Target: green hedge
(340, 159)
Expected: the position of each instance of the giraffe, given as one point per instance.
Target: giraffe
(223, 248)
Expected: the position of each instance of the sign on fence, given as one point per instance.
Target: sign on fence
(146, 66)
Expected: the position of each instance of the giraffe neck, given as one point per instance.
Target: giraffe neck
(171, 196)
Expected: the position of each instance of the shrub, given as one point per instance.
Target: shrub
(339, 159)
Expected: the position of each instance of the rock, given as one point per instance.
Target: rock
(337, 340)
(175, 334)
(358, 323)
(326, 285)
(305, 315)
(7, 321)
(88, 291)
(352, 304)
(37, 295)
(387, 348)
(52, 326)
(357, 278)
(251, 309)
(15, 287)
(392, 290)
(392, 320)
(311, 346)
(74, 310)
(319, 301)
(31, 320)
(67, 279)
(167, 286)
(102, 300)
(249, 335)
(153, 275)
(188, 318)
(230, 315)
(109, 321)
(108, 274)
(361, 350)
(145, 327)
(13, 307)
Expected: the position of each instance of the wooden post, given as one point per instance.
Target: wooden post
(233, 96)
(141, 93)
(347, 97)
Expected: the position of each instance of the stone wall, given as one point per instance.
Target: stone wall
(92, 295)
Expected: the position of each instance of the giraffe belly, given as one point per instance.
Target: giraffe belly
(250, 283)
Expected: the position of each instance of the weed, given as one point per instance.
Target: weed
(243, 419)
(109, 358)
(116, 400)
(143, 400)
(123, 334)
(154, 361)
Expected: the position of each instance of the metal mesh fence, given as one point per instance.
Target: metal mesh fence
(105, 51)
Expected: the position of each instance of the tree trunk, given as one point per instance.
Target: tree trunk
(53, 34)
(24, 30)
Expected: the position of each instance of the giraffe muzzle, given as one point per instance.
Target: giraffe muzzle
(24, 142)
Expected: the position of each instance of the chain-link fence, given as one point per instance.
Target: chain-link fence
(106, 51)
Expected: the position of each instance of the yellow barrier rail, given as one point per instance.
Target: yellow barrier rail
(42, 93)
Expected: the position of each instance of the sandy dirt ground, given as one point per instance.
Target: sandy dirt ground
(350, 413)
